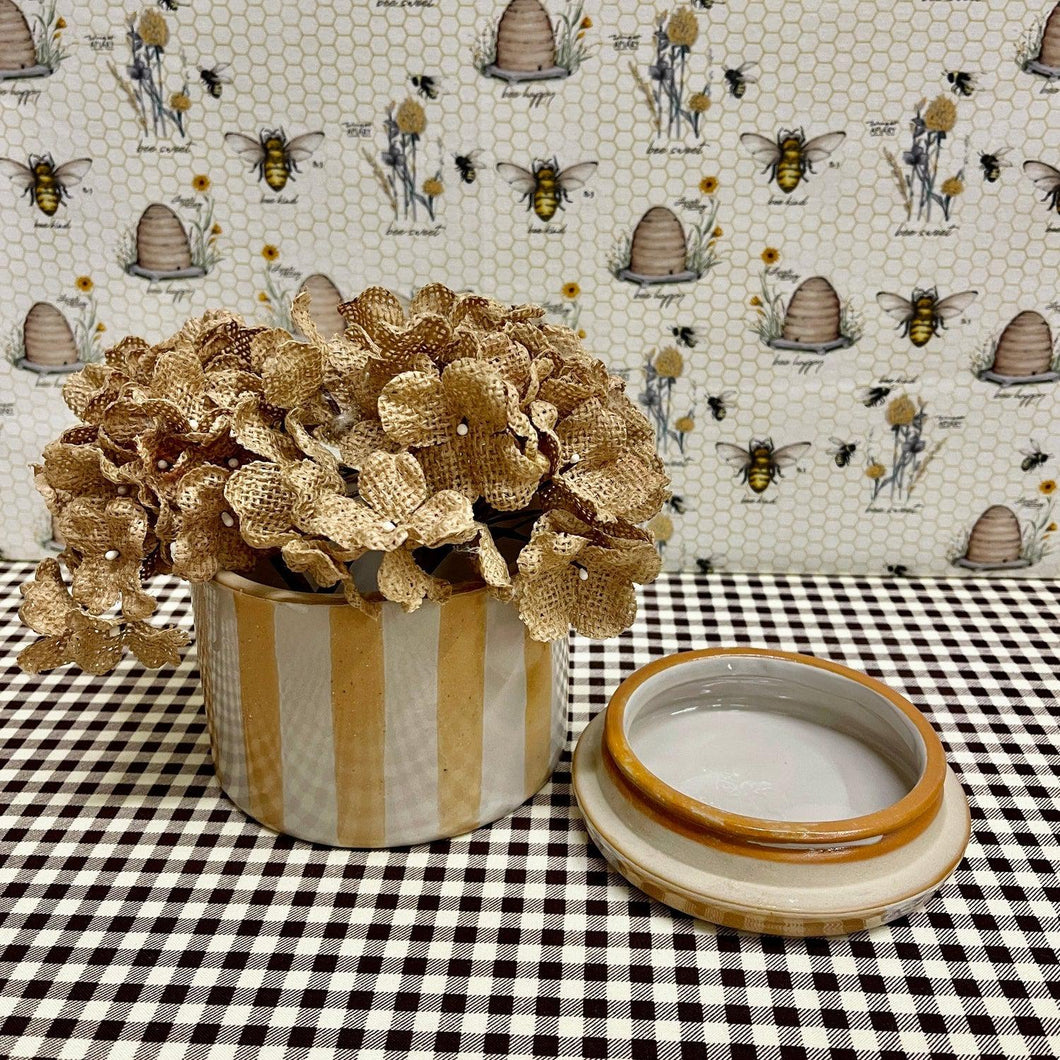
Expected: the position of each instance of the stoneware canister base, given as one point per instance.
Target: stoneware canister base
(334, 727)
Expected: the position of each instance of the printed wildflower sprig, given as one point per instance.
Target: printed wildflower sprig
(674, 37)
(159, 110)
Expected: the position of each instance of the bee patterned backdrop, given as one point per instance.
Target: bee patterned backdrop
(821, 242)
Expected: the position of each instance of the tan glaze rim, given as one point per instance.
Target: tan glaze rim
(247, 587)
(893, 826)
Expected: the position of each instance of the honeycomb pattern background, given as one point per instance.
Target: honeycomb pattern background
(845, 66)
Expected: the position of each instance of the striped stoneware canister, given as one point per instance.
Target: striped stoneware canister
(335, 727)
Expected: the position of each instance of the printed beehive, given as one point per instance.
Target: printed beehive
(1025, 349)
(324, 299)
(812, 319)
(48, 340)
(658, 248)
(18, 53)
(525, 44)
(995, 539)
(162, 248)
(1047, 61)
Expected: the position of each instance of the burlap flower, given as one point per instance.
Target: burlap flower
(263, 503)
(319, 506)
(395, 488)
(572, 575)
(93, 644)
(434, 431)
(111, 542)
(208, 540)
(465, 426)
(603, 473)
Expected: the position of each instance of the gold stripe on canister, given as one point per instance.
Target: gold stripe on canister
(260, 707)
(537, 758)
(461, 679)
(358, 705)
(202, 648)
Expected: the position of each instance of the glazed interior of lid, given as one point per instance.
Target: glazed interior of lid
(774, 739)
(789, 756)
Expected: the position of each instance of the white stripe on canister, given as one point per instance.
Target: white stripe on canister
(222, 654)
(410, 660)
(504, 711)
(560, 694)
(307, 744)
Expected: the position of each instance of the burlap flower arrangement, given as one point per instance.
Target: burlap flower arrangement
(460, 440)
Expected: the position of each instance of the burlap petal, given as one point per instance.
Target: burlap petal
(492, 565)
(435, 298)
(292, 374)
(481, 313)
(364, 438)
(415, 412)
(402, 581)
(95, 646)
(82, 388)
(446, 518)
(155, 647)
(392, 484)
(372, 308)
(325, 453)
(46, 600)
(315, 559)
(508, 358)
(179, 379)
(591, 431)
(479, 394)
(256, 431)
(44, 654)
(263, 502)
(418, 340)
(302, 318)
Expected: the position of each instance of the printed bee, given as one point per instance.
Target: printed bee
(274, 156)
(897, 570)
(792, 156)
(872, 396)
(546, 187)
(759, 464)
(705, 565)
(425, 85)
(842, 452)
(213, 80)
(169, 5)
(465, 166)
(1048, 180)
(991, 164)
(739, 78)
(676, 504)
(717, 405)
(44, 183)
(961, 83)
(686, 336)
(1033, 458)
(704, 5)
(924, 315)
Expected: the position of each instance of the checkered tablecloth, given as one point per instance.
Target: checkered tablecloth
(144, 916)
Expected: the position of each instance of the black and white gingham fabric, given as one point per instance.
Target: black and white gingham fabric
(143, 916)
